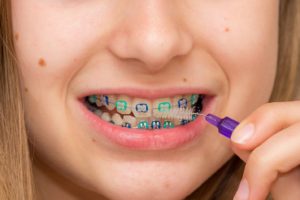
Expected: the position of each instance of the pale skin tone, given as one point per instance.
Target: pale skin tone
(68, 46)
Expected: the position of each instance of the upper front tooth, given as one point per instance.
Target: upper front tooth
(123, 105)
(161, 106)
(141, 108)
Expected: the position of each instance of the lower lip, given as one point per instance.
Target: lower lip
(140, 139)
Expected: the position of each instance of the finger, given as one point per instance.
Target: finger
(279, 154)
(287, 185)
(242, 154)
(265, 122)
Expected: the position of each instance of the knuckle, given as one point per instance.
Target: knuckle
(267, 111)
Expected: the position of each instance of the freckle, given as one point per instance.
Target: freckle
(226, 29)
(17, 36)
(184, 80)
(167, 185)
(93, 140)
(26, 89)
(42, 62)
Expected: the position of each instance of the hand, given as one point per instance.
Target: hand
(269, 142)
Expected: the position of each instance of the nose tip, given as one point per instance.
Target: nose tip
(154, 44)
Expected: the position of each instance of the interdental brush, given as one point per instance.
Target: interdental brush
(225, 125)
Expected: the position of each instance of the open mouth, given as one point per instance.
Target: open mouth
(130, 112)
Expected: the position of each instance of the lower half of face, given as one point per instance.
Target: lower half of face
(100, 76)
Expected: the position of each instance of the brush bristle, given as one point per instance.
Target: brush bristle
(178, 113)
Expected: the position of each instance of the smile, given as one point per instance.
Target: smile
(134, 119)
(130, 112)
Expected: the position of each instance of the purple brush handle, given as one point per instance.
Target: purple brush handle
(225, 126)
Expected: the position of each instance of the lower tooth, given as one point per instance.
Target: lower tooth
(143, 124)
(117, 119)
(129, 120)
(168, 124)
(98, 112)
(155, 124)
(126, 125)
(194, 117)
(184, 122)
(106, 117)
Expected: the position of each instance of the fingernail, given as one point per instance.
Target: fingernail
(243, 134)
(243, 191)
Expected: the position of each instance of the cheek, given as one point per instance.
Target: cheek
(246, 50)
(53, 40)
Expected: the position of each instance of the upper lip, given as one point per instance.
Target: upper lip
(148, 93)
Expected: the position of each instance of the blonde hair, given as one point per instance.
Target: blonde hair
(16, 179)
(15, 168)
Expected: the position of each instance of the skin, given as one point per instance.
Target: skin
(65, 47)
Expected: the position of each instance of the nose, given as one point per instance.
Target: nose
(150, 34)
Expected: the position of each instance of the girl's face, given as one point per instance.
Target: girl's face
(141, 54)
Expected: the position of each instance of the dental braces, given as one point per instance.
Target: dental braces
(179, 113)
(152, 108)
(167, 111)
(156, 108)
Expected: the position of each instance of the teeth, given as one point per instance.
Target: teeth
(182, 102)
(155, 124)
(98, 101)
(143, 124)
(175, 100)
(168, 124)
(106, 117)
(127, 125)
(92, 98)
(177, 122)
(193, 98)
(108, 101)
(129, 120)
(184, 122)
(98, 112)
(141, 108)
(161, 105)
(123, 105)
(117, 119)
(130, 112)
